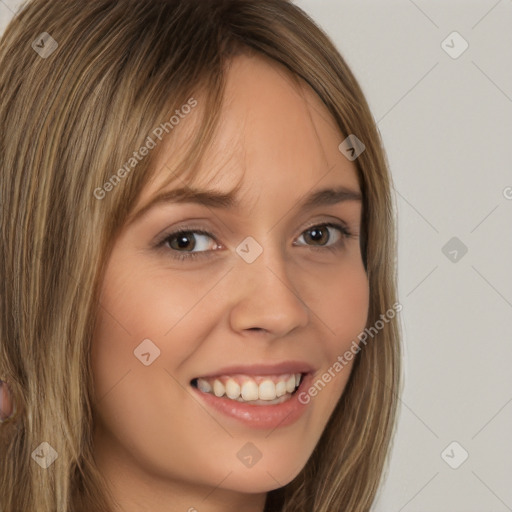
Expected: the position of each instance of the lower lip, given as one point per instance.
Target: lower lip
(260, 416)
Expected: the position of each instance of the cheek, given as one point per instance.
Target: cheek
(137, 308)
(344, 307)
(131, 398)
(145, 306)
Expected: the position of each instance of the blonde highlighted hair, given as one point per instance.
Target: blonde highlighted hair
(68, 121)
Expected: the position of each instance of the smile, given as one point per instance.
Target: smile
(254, 389)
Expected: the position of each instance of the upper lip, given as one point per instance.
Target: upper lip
(263, 369)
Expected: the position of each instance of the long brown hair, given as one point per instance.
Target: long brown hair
(82, 85)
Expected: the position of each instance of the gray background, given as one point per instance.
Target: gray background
(446, 124)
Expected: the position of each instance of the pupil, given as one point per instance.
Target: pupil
(183, 241)
(316, 234)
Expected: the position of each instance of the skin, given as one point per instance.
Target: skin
(158, 447)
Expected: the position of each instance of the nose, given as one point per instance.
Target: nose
(264, 297)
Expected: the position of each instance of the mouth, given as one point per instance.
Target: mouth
(251, 389)
(258, 396)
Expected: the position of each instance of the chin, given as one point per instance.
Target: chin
(263, 477)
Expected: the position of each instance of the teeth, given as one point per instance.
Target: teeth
(281, 388)
(250, 390)
(218, 388)
(267, 390)
(290, 384)
(204, 385)
(244, 388)
(232, 389)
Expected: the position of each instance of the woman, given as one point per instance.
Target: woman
(198, 284)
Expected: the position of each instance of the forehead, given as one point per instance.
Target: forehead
(273, 131)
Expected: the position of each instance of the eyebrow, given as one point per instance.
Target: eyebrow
(220, 200)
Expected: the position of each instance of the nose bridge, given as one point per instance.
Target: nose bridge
(266, 296)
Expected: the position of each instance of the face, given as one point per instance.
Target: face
(248, 299)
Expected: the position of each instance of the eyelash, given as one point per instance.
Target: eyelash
(345, 234)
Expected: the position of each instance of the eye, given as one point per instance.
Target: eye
(321, 234)
(187, 243)
(186, 240)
